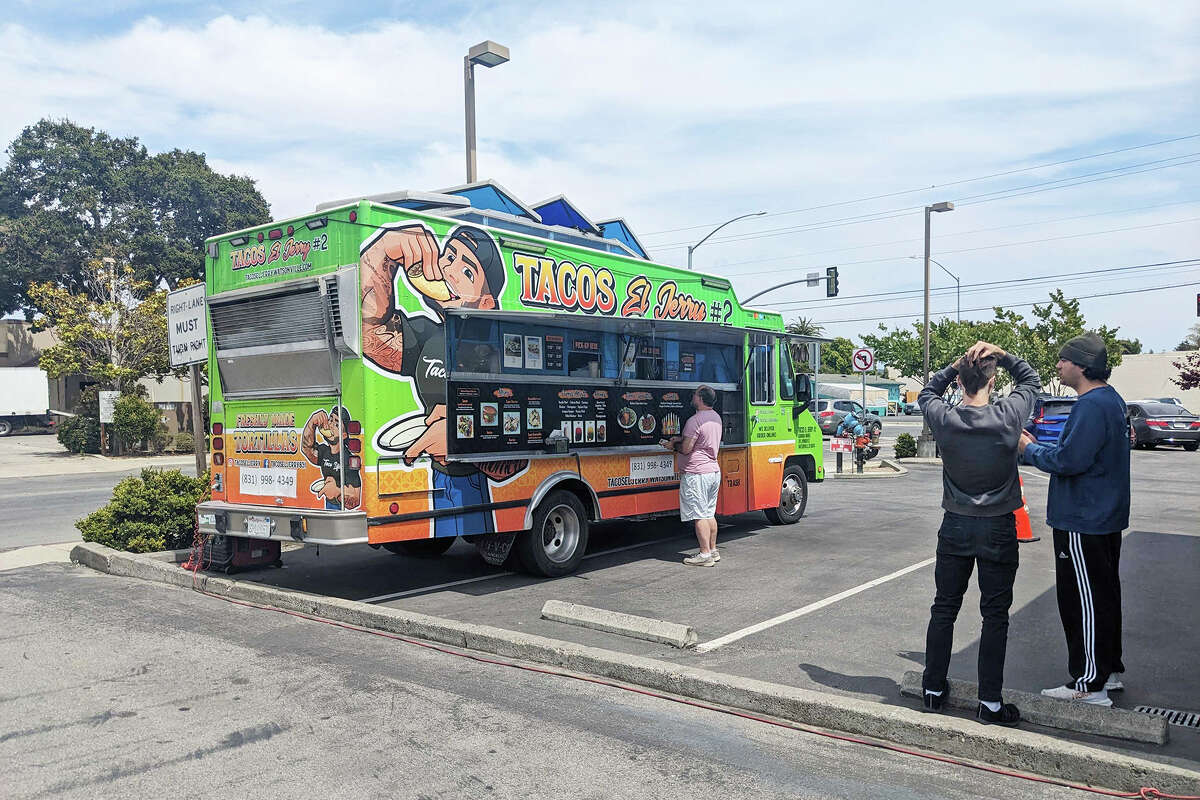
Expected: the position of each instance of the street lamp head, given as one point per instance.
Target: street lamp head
(941, 207)
(488, 54)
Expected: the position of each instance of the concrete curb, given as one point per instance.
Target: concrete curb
(915, 460)
(599, 619)
(1118, 723)
(1016, 749)
(894, 470)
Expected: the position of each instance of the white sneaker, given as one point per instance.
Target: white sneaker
(716, 556)
(1114, 683)
(1099, 698)
(699, 560)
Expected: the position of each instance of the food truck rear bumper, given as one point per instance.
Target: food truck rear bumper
(308, 525)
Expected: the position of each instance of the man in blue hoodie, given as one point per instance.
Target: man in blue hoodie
(1088, 508)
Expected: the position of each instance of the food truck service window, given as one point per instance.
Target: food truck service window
(762, 371)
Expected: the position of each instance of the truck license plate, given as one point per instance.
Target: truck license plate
(258, 527)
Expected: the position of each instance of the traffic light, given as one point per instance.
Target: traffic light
(831, 282)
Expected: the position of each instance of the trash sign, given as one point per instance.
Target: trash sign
(108, 406)
(187, 326)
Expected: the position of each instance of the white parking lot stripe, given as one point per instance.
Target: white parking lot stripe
(808, 609)
(426, 589)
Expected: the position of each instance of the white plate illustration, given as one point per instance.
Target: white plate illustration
(400, 435)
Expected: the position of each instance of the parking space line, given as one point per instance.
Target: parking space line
(721, 641)
(1041, 475)
(425, 589)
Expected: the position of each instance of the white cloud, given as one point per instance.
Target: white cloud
(673, 116)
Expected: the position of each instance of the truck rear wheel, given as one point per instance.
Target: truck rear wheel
(6, 427)
(555, 544)
(421, 548)
(793, 498)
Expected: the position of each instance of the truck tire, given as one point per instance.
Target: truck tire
(421, 548)
(6, 427)
(793, 498)
(555, 544)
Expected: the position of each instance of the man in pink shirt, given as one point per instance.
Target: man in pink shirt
(701, 480)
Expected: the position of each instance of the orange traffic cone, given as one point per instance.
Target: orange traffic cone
(1024, 528)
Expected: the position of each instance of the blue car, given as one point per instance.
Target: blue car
(1049, 415)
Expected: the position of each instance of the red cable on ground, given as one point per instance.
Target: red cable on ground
(1145, 793)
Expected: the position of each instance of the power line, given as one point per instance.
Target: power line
(885, 259)
(971, 200)
(944, 185)
(959, 233)
(1014, 305)
(879, 297)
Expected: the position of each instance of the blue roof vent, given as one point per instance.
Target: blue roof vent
(619, 230)
(491, 196)
(560, 211)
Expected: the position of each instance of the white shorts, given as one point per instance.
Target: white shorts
(698, 495)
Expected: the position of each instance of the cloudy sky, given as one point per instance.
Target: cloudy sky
(841, 120)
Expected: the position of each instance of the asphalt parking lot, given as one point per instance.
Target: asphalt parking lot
(837, 602)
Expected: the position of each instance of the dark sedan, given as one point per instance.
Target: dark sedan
(1153, 423)
(829, 413)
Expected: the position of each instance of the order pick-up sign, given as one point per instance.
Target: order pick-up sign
(187, 326)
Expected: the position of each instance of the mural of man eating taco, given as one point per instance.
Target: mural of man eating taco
(467, 272)
(321, 443)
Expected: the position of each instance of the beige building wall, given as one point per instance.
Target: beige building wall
(1149, 375)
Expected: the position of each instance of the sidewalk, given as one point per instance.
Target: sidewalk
(41, 455)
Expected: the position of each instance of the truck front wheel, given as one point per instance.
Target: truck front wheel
(555, 544)
(793, 498)
(6, 427)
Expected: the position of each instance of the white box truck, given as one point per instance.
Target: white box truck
(24, 398)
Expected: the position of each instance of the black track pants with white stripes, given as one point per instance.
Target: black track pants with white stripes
(1087, 569)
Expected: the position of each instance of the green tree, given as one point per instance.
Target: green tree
(1129, 347)
(802, 326)
(1057, 321)
(104, 331)
(836, 355)
(903, 348)
(135, 420)
(1192, 340)
(69, 193)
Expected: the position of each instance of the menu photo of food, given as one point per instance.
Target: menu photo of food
(601, 430)
(670, 424)
(566, 430)
(533, 419)
(466, 426)
(513, 358)
(533, 352)
(512, 421)
(627, 418)
(577, 425)
(646, 423)
(590, 431)
(489, 414)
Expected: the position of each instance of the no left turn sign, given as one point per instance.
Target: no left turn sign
(863, 359)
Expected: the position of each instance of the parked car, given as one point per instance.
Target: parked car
(1152, 423)
(1049, 415)
(829, 413)
(1172, 400)
(912, 408)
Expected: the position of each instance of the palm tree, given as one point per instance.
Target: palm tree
(802, 327)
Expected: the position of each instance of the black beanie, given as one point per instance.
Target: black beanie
(488, 255)
(1086, 350)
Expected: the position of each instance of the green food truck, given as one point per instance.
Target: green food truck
(406, 369)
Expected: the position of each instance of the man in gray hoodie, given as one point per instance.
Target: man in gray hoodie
(980, 491)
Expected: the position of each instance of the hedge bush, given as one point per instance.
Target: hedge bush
(79, 434)
(183, 443)
(135, 420)
(906, 446)
(155, 511)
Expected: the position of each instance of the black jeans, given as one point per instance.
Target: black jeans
(962, 542)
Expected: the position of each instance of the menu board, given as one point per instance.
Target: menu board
(494, 416)
(554, 353)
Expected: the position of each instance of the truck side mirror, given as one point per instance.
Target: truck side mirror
(804, 389)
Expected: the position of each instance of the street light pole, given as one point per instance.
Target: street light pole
(692, 247)
(957, 288)
(489, 54)
(926, 448)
